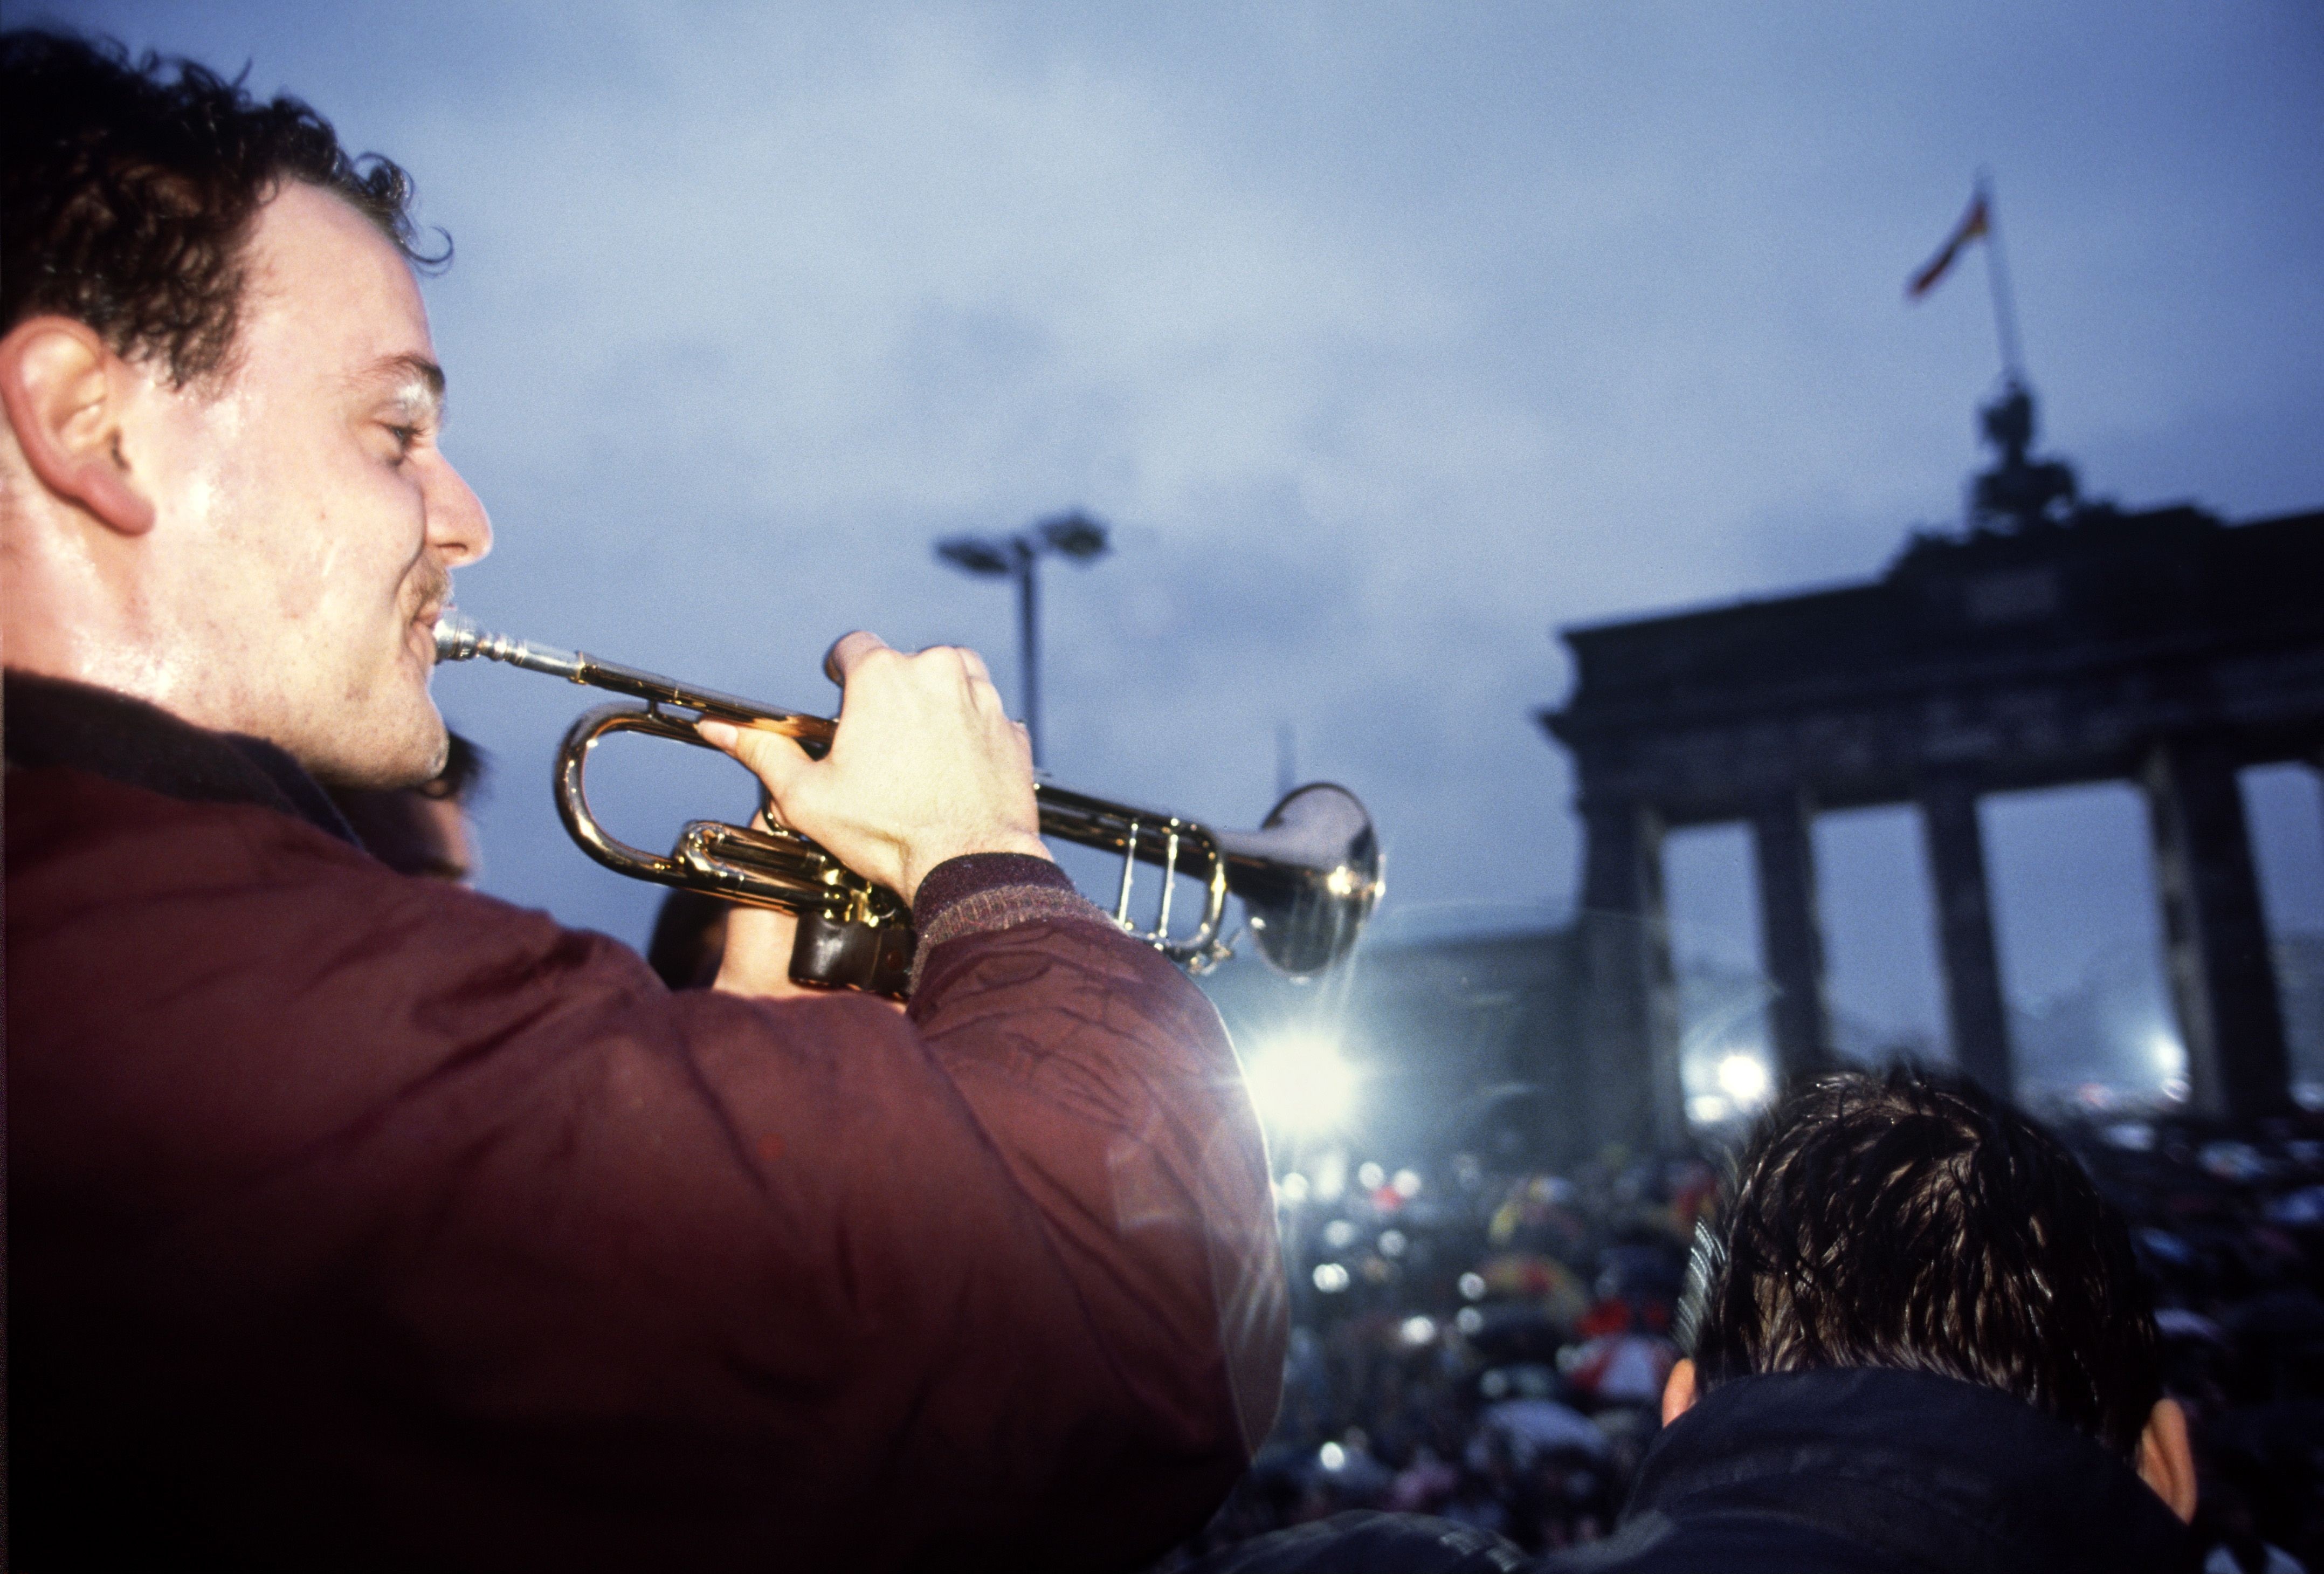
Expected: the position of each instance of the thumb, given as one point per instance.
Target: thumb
(776, 760)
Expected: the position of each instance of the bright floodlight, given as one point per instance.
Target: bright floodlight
(2163, 1049)
(1300, 1083)
(1744, 1078)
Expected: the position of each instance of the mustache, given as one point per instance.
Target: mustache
(430, 589)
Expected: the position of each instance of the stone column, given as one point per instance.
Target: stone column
(1789, 938)
(2214, 934)
(2316, 761)
(1974, 1009)
(1631, 1042)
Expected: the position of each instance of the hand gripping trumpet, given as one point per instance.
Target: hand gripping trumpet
(1308, 878)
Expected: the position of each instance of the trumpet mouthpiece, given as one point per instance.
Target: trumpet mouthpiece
(457, 639)
(456, 636)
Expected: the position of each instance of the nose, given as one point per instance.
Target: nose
(458, 525)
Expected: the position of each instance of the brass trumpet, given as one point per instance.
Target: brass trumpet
(1308, 878)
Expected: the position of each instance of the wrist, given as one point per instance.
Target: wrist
(1018, 843)
(971, 882)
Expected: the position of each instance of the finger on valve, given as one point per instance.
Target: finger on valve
(847, 651)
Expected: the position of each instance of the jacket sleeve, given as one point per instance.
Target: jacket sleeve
(494, 1241)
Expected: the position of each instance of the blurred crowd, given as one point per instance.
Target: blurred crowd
(1491, 1346)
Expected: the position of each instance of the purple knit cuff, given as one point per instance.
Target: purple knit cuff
(992, 891)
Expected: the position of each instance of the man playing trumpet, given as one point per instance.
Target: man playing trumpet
(364, 1221)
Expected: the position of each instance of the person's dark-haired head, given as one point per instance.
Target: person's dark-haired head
(422, 830)
(128, 189)
(223, 483)
(1910, 1221)
(690, 938)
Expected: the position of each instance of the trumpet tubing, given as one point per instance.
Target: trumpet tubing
(1308, 876)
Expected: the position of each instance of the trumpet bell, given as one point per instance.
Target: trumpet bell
(1308, 878)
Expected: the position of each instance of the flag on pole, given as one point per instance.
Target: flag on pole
(1975, 222)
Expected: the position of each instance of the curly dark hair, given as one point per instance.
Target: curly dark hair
(126, 195)
(1909, 1220)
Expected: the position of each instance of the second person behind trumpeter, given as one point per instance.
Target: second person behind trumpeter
(1918, 1340)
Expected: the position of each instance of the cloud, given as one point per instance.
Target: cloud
(1385, 342)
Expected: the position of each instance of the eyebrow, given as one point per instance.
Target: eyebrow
(416, 379)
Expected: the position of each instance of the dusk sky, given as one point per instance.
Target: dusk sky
(1388, 339)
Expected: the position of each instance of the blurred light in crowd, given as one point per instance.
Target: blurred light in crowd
(1744, 1080)
(2164, 1050)
(1392, 1243)
(1370, 1175)
(1294, 1187)
(2233, 1161)
(1472, 1287)
(1407, 1183)
(1418, 1330)
(1708, 1108)
(1299, 1083)
(1332, 1176)
(1469, 1322)
(1332, 1456)
(1331, 1278)
(1339, 1234)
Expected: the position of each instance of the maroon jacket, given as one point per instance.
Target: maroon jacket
(358, 1220)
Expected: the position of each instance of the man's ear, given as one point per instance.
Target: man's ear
(2165, 1461)
(1678, 1393)
(64, 389)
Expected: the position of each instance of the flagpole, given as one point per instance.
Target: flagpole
(1997, 275)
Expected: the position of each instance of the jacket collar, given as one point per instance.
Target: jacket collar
(1926, 1469)
(55, 724)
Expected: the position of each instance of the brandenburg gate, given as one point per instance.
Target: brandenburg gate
(2051, 642)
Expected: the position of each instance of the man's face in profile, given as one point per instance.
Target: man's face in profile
(308, 521)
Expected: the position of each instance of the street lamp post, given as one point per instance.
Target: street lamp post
(1073, 536)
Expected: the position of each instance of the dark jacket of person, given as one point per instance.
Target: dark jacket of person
(362, 1221)
(1882, 1472)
